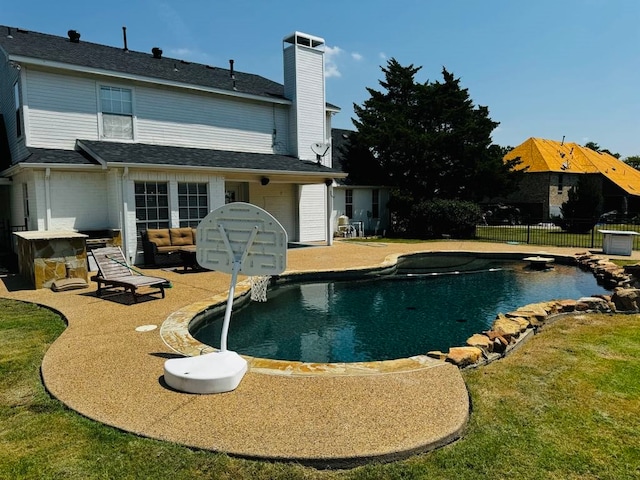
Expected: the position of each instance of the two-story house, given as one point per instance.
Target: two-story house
(553, 168)
(99, 137)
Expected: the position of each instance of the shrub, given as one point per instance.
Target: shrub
(437, 218)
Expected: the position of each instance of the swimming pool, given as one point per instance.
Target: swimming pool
(391, 317)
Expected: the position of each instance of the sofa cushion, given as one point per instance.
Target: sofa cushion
(181, 236)
(159, 236)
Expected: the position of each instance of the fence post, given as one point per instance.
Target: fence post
(528, 232)
(593, 236)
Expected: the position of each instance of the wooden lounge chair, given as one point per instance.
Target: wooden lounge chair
(115, 272)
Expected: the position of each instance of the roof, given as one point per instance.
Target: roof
(19, 44)
(541, 155)
(49, 156)
(339, 141)
(95, 153)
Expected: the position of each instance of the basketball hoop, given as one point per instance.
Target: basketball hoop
(238, 238)
(259, 285)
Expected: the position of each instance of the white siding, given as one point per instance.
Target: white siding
(310, 101)
(78, 201)
(289, 55)
(304, 85)
(280, 201)
(114, 199)
(37, 203)
(61, 109)
(313, 216)
(17, 205)
(169, 117)
(362, 204)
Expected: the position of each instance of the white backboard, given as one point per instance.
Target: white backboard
(266, 254)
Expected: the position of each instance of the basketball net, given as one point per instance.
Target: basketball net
(259, 286)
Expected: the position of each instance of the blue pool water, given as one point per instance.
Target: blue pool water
(389, 317)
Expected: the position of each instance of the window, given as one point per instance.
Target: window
(16, 96)
(375, 203)
(560, 183)
(192, 203)
(152, 205)
(116, 105)
(348, 203)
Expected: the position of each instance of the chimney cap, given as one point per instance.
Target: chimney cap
(74, 37)
(157, 52)
(304, 39)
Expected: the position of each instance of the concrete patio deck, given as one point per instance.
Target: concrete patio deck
(105, 369)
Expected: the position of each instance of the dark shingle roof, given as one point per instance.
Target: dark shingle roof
(339, 141)
(92, 55)
(143, 154)
(65, 157)
(42, 46)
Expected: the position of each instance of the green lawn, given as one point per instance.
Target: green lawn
(564, 406)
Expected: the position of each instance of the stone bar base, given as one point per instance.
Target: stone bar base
(47, 256)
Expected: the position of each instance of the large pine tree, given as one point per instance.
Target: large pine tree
(426, 140)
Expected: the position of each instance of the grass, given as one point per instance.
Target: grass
(563, 406)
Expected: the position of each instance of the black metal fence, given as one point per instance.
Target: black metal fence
(551, 234)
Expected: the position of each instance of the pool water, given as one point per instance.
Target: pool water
(389, 317)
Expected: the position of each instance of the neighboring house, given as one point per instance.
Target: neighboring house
(367, 204)
(101, 137)
(554, 167)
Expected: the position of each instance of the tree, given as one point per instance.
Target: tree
(584, 205)
(428, 140)
(633, 161)
(597, 148)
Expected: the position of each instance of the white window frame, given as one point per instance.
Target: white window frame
(101, 113)
(194, 200)
(375, 203)
(348, 203)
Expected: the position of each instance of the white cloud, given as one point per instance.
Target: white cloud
(356, 56)
(182, 52)
(331, 55)
(382, 55)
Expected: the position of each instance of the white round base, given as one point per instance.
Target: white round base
(215, 372)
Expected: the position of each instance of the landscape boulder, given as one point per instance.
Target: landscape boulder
(464, 356)
(625, 299)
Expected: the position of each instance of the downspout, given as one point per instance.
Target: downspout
(123, 220)
(47, 198)
(329, 184)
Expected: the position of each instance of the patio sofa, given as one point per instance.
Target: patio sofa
(162, 245)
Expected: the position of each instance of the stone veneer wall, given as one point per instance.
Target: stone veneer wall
(44, 261)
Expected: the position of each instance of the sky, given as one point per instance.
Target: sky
(553, 69)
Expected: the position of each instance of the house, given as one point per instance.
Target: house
(554, 167)
(366, 206)
(96, 137)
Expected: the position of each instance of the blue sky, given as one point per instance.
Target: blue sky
(545, 68)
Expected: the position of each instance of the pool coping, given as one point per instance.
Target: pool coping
(174, 331)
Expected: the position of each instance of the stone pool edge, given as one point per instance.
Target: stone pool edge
(508, 331)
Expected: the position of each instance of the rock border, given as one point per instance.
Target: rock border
(510, 329)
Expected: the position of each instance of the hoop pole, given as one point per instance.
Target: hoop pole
(236, 265)
(227, 312)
